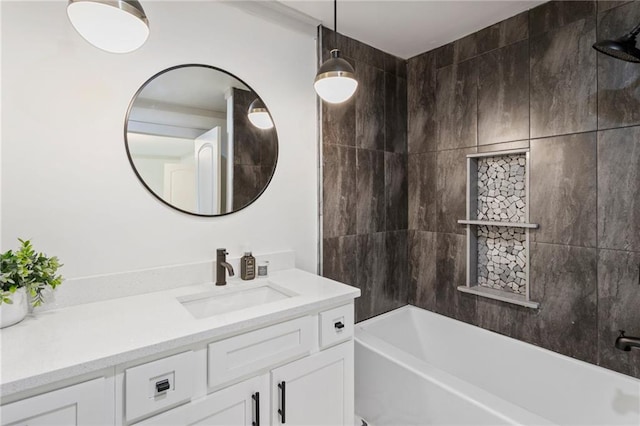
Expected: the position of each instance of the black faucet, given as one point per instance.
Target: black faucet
(625, 343)
(222, 266)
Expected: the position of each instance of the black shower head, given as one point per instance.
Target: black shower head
(623, 48)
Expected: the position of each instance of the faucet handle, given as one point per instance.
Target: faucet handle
(222, 251)
(621, 333)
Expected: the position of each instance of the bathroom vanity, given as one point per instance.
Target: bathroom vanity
(268, 351)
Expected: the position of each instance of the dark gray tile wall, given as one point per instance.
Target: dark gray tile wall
(456, 102)
(618, 82)
(451, 178)
(503, 94)
(365, 179)
(422, 176)
(339, 190)
(421, 103)
(563, 79)
(254, 152)
(618, 301)
(534, 81)
(619, 189)
(563, 189)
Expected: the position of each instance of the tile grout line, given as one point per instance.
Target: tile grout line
(598, 340)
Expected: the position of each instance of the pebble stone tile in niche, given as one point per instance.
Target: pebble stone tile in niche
(501, 188)
(502, 258)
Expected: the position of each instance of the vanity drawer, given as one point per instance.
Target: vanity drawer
(158, 385)
(336, 325)
(240, 356)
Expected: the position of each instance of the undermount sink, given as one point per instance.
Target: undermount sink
(223, 300)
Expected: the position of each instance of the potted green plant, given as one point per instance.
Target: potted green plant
(24, 274)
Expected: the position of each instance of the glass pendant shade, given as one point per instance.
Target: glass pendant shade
(259, 115)
(335, 81)
(117, 26)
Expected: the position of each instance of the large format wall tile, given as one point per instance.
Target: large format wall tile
(604, 5)
(618, 81)
(618, 308)
(350, 48)
(395, 113)
(422, 269)
(563, 185)
(563, 80)
(503, 94)
(619, 189)
(451, 189)
(370, 101)
(339, 191)
(421, 101)
(395, 177)
(370, 191)
(339, 123)
(451, 273)
(395, 287)
(395, 65)
(339, 259)
(465, 48)
(423, 186)
(503, 33)
(444, 55)
(372, 272)
(556, 14)
(506, 318)
(563, 280)
(248, 182)
(456, 99)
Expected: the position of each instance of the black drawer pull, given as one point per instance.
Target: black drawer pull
(282, 401)
(162, 386)
(339, 325)
(256, 398)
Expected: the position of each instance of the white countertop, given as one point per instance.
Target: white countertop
(63, 343)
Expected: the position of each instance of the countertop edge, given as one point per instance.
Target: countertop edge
(30, 383)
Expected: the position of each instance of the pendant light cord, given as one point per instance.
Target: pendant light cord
(335, 23)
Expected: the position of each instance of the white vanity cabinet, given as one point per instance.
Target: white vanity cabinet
(316, 390)
(296, 371)
(242, 404)
(87, 403)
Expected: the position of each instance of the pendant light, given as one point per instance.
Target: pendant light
(259, 115)
(117, 26)
(335, 81)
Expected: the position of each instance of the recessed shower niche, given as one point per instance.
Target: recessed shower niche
(498, 226)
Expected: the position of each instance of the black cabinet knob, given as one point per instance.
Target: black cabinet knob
(339, 325)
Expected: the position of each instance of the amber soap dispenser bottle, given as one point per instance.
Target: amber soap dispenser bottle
(247, 266)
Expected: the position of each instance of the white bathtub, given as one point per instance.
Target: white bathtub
(414, 367)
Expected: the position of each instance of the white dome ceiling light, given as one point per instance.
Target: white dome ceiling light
(335, 81)
(116, 26)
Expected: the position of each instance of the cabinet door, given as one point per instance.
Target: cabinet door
(83, 404)
(237, 405)
(317, 390)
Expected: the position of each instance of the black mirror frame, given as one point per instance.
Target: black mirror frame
(135, 170)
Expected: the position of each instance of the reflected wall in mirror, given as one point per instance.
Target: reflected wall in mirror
(191, 143)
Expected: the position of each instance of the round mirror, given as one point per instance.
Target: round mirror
(201, 140)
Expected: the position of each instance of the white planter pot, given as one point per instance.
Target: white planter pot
(14, 313)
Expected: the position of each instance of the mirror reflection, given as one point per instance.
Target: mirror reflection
(201, 140)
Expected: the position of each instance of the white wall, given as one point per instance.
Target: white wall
(66, 181)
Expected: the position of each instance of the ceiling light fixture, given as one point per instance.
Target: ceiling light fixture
(259, 115)
(117, 26)
(335, 81)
